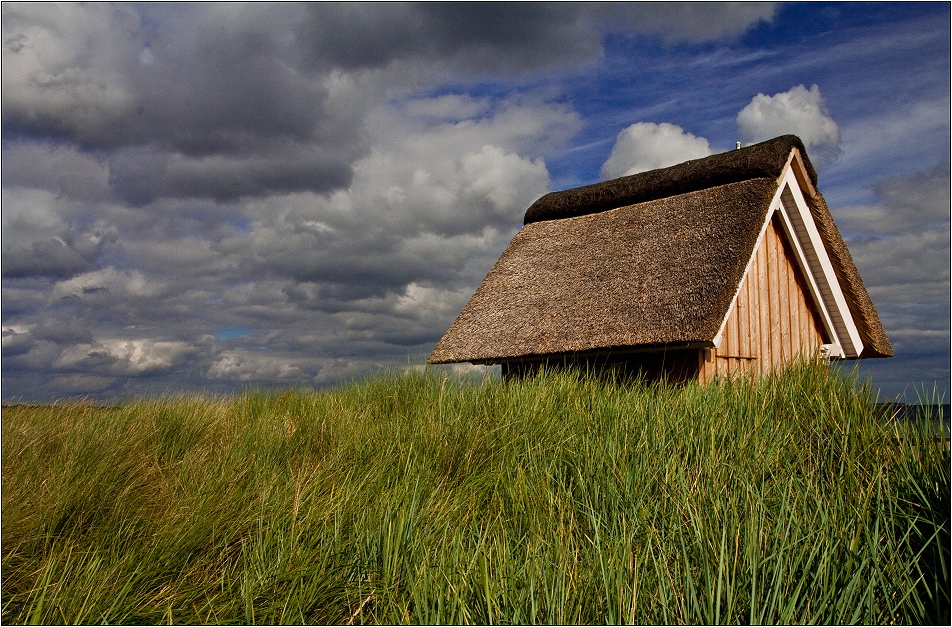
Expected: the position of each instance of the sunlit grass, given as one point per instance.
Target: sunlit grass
(419, 499)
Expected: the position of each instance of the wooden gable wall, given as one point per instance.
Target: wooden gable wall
(774, 319)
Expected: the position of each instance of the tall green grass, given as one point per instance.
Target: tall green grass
(419, 499)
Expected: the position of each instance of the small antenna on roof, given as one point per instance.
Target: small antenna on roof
(737, 147)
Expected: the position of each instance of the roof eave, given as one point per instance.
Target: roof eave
(594, 353)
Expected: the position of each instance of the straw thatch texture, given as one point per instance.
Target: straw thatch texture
(764, 160)
(663, 271)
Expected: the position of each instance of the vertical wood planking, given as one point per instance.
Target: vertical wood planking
(743, 321)
(783, 271)
(734, 325)
(773, 284)
(793, 302)
(764, 308)
(753, 291)
(776, 339)
(794, 334)
(774, 319)
(742, 328)
(753, 345)
(800, 321)
(752, 348)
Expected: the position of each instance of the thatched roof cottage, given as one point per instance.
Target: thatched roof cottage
(721, 265)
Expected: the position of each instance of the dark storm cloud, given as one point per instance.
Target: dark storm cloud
(481, 37)
(59, 170)
(47, 235)
(224, 101)
(52, 257)
(142, 175)
(205, 80)
(188, 102)
(471, 35)
(216, 78)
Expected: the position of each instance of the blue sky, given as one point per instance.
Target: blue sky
(206, 197)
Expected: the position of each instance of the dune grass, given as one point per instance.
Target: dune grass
(418, 499)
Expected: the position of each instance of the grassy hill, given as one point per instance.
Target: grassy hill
(417, 499)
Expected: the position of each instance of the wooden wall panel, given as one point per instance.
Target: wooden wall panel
(774, 320)
(773, 314)
(763, 312)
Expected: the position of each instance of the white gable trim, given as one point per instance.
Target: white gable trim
(814, 263)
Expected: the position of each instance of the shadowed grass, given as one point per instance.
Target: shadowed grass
(418, 499)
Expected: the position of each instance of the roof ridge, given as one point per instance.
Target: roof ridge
(763, 160)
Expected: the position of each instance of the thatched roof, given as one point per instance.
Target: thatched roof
(764, 160)
(652, 259)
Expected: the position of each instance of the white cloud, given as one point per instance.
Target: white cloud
(499, 177)
(418, 301)
(137, 356)
(449, 107)
(647, 146)
(465, 371)
(117, 283)
(250, 366)
(798, 111)
(472, 370)
(124, 357)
